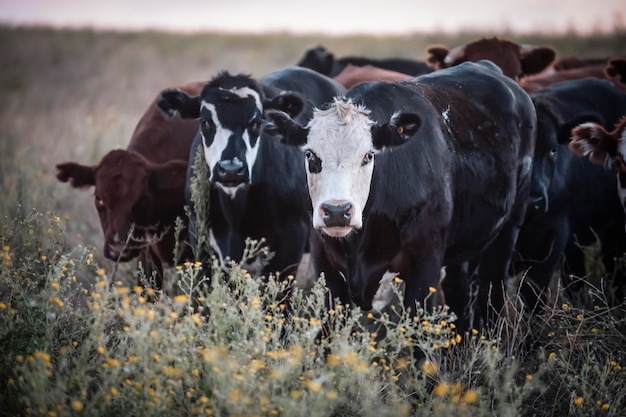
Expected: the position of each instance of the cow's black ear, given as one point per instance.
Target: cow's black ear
(175, 100)
(291, 103)
(279, 123)
(399, 130)
(77, 175)
(536, 59)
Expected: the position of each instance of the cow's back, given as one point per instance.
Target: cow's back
(160, 138)
(489, 126)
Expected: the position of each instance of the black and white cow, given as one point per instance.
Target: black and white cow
(573, 202)
(410, 176)
(257, 186)
(323, 61)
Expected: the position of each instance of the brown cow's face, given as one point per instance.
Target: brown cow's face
(603, 148)
(515, 60)
(121, 198)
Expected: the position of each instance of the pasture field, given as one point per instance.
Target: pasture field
(76, 338)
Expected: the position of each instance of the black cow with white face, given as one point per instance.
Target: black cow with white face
(573, 202)
(257, 186)
(408, 177)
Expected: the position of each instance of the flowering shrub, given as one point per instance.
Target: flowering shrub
(255, 347)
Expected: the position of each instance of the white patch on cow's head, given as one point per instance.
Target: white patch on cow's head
(247, 92)
(384, 293)
(230, 191)
(213, 152)
(340, 145)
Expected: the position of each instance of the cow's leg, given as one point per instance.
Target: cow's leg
(423, 275)
(291, 242)
(324, 262)
(613, 254)
(456, 292)
(492, 274)
(574, 270)
(540, 258)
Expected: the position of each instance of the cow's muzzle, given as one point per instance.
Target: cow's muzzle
(337, 215)
(231, 172)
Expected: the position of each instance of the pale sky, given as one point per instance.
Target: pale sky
(333, 17)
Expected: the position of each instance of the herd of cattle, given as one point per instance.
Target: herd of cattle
(488, 161)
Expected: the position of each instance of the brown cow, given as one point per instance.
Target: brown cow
(139, 191)
(515, 60)
(352, 75)
(571, 62)
(615, 71)
(538, 82)
(604, 148)
(612, 69)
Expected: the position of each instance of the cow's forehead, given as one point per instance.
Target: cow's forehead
(118, 173)
(343, 126)
(233, 107)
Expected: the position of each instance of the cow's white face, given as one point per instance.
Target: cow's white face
(339, 164)
(230, 137)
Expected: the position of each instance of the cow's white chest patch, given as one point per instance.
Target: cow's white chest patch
(384, 293)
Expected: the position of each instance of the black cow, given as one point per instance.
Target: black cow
(410, 176)
(323, 61)
(573, 201)
(257, 186)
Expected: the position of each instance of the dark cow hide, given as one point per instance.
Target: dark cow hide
(408, 177)
(573, 202)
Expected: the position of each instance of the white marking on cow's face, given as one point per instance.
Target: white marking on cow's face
(214, 147)
(230, 191)
(384, 293)
(340, 164)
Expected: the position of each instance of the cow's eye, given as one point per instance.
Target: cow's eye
(369, 156)
(255, 127)
(554, 151)
(314, 163)
(99, 203)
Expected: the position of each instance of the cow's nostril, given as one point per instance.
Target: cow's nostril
(336, 215)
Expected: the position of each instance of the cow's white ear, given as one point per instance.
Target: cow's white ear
(172, 101)
(279, 123)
